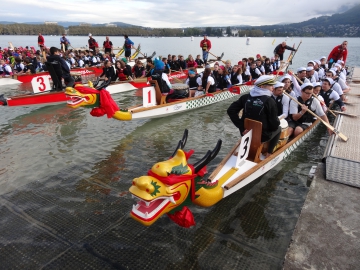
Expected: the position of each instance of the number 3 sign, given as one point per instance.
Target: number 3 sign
(40, 84)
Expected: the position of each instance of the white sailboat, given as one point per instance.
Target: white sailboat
(192, 38)
(248, 41)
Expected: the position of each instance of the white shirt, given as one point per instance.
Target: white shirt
(81, 63)
(342, 84)
(315, 106)
(285, 101)
(165, 77)
(209, 79)
(337, 88)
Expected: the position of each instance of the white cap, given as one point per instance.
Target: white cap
(265, 79)
(332, 71)
(341, 62)
(312, 62)
(301, 69)
(309, 68)
(286, 76)
(306, 85)
(315, 84)
(317, 62)
(337, 65)
(323, 57)
(331, 81)
(278, 84)
(90, 35)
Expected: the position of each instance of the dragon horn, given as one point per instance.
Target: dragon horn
(210, 155)
(182, 142)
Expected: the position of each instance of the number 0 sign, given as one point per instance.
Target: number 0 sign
(40, 84)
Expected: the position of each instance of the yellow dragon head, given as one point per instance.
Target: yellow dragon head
(169, 187)
(100, 101)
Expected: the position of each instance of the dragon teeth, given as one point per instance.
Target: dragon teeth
(172, 200)
(147, 203)
(146, 214)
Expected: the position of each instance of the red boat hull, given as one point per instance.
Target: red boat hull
(26, 78)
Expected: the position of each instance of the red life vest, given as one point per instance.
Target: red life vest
(121, 75)
(107, 44)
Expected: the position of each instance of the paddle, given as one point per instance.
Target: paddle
(11, 45)
(337, 132)
(216, 56)
(346, 114)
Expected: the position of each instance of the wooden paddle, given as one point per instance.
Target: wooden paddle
(337, 132)
(346, 114)
(297, 78)
(11, 45)
(216, 57)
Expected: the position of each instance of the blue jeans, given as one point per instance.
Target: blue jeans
(205, 55)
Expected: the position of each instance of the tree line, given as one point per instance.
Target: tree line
(30, 29)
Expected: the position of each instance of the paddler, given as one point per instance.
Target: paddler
(55, 57)
(205, 45)
(300, 118)
(280, 49)
(258, 105)
(329, 94)
(282, 101)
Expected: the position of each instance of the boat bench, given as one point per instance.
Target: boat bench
(256, 147)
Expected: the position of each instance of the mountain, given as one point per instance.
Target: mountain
(339, 25)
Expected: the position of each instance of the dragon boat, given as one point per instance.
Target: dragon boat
(154, 102)
(56, 97)
(171, 186)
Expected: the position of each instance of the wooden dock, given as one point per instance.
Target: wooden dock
(327, 234)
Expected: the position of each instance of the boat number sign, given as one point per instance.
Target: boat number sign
(149, 96)
(244, 148)
(40, 84)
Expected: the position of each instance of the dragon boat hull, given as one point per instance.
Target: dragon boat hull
(186, 104)
(52, 98)
(249, 171)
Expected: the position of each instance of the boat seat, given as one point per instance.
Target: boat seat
(55, 71)
(256, 146)
(160, 97)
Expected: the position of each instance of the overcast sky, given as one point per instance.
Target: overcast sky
(172, 13)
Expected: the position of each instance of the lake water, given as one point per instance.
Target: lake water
(65, 175)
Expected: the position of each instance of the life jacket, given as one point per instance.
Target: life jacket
(204, 45)
(107, 44)
(234, 79)
(326, 96)
(192, 81)
(157, 75)
(267, 68)
(4, 70)
(17, 67)
(121, 75)
(212, 88)
(92, 42)
(254, 108)
(138, 72)
(254, 75)
(281, 50)
(279, 105)
(306, 117)
(127, 44)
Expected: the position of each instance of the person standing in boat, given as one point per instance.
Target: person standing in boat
(128, 44)
(92, 43)
(41, 42)
(338, 53)
(280, 49)
(258, 105)
(300, 118)
(107, 45)
(205, 45)
(55, 57)
(64, 42)
(282, 101)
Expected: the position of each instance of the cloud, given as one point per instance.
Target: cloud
(172, 14)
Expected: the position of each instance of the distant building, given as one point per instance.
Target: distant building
(110, 25)
(53, 23)
(84, 24)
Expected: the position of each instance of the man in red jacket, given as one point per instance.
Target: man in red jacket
(205, 45)
(338, 53)
(41, 42)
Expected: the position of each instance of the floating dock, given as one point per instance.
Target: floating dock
(327, 234)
